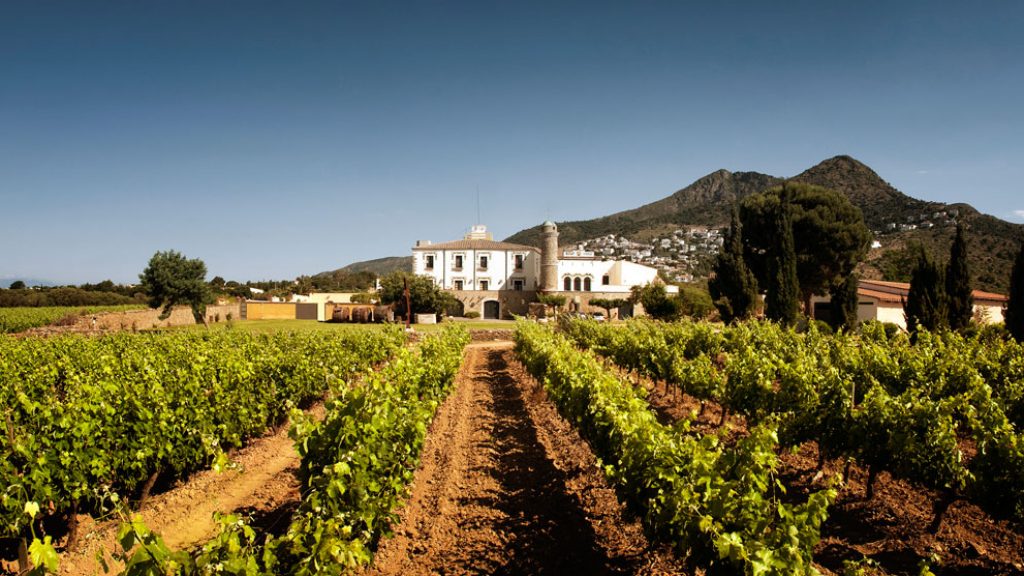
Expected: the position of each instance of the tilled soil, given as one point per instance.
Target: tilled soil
(887, 534)
(506, 486)
(260, 483)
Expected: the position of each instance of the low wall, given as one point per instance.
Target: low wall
(147, 319)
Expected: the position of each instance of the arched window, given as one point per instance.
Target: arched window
(586, 284)
(576, 284)
(567, 284)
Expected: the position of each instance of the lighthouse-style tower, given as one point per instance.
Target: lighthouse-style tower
(549, 257)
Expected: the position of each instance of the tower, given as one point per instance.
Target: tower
(549, 257)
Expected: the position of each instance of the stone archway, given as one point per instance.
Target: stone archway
(492, 309)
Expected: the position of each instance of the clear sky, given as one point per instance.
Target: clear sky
(273, 139)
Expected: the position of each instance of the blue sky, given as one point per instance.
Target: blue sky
(273, 139)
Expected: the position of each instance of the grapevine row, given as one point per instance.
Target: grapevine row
(356, 467)
(715, 503)
(874, 397)
(85, 418)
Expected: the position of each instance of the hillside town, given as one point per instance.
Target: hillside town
(681, 256)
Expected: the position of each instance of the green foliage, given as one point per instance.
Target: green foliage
(171, 280)
(17, 285)
(19, 319)
(424, 295)
(87, 418)
(714, 501)
(656, 302)
(897, 264)
(890, 403)
(694, 302)
(608, 304)
(358, 462)
(1014, 312)
(782, 302)
(926, 301)
(553, 301)
(959, 301)
(845, 303)
(732, 285)
(829, 234)
(66, 296)
(473, 314)
(362, 298)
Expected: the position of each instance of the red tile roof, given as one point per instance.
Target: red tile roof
(885, 291)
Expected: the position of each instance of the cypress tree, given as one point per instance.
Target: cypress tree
(732, 286)
(925, 306)
(782, 302)
(1013, 314)
(960, 302)
(845, 302)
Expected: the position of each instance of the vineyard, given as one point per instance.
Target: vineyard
(22, 318)
(639, 448)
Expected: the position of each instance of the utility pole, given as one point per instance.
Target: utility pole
(408, 305)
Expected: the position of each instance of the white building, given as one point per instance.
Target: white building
(478, 263)
(883, 301)
(501, 278)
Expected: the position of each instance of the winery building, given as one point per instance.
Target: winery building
(499, 279)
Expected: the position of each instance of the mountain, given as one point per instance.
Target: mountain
(706, 202)
(379, 266)
(898, 220)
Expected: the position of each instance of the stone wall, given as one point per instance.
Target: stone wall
(134, 320)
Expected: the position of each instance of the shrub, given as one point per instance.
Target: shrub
(472, 314)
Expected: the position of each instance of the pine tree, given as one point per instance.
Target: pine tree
(732, 286)
(925, 306)
(845, 302)
(782, 302)
(1014, 312)
(960, 302)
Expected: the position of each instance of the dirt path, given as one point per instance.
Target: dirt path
(262, 483)
(507, 487)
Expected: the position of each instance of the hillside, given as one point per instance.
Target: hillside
(897, 219)
(705, 202)
(378, 266)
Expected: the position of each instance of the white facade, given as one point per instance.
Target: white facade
(582, 274)
(478, 263)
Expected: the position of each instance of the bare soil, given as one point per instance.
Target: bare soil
(506, 486)
(889, 533)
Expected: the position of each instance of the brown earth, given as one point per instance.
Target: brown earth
(261, 482)
(887, 534)
(506, 486)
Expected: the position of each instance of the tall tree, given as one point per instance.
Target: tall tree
(830, 236)
(925, 306)
(424, 296)
(172, 280)
(845, 302)
(959, 301)
(1013, 315)
(733, 287)
(782, 302)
